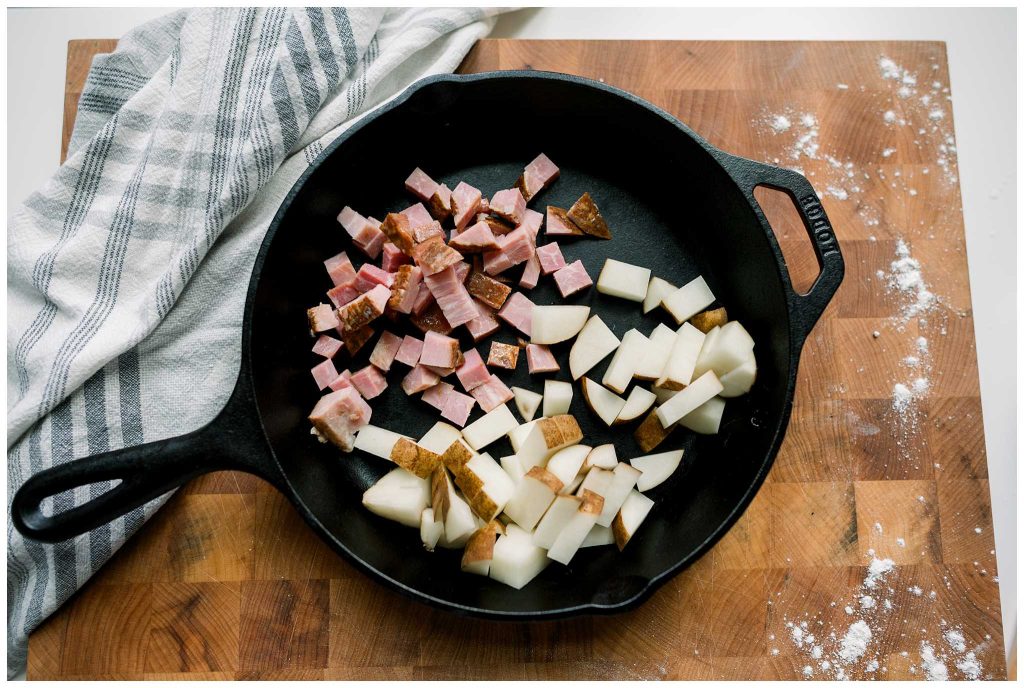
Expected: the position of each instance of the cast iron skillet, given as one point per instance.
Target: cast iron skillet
(675, 204)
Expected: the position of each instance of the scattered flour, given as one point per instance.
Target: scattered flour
(855, 642)
(956, 640)
(780, 123)
(970, 667)
(906, 281)
(934, 669)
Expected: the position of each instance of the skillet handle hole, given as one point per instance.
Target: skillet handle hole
(789, 230)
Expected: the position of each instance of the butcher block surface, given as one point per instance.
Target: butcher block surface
(227, 582)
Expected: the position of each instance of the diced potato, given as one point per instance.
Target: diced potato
(688, 300)
(623, 280)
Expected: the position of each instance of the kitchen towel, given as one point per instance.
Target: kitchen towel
(127, 271)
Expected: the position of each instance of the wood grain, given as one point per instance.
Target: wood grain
(226, 581)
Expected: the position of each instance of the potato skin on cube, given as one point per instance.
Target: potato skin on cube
(707, 320)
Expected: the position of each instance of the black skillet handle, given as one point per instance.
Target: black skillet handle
(234, 440)
(807, 308)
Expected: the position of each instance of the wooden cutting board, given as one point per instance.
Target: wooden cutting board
(226, 582)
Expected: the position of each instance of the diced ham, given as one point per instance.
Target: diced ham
(324, 373)
(474, 239)
(509, 205)
(369, 381)
(539, 174)
(338, 415)
(340, 269)
(322, 318)
(386, 349)
(419, 379)
(436, 395)
(343, 293)
(472, 373)
(441, 372)
(488, 290)
(559, 224)
(431, 320)
(370, 275)
(365, 234)
(406, 288)
(327, 346)
(423, 232)
(393, 258)
(539, 359)
(497, 225)
(586, 216)
(572, 278)
(532, 221)
(485, 324)
(342, 381)
(418, 215)
(457, 407)
(461, 271)
(465, 204)
(518, 312)
(409, 351)
(440, 204)
(492, 394)
(531, 273)
(354, 341)
(452, 297)
(433, 255)
(514, 248)
(550, 257)
(503, 355)
(439, 351)
(398, 230)
(363, 310)
(420, 185)
(424, 300)
(485, 205)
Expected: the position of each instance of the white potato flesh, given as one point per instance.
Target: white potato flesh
(661, 395)
(565, 464)
(657, 290)
(511, 465)
(624, 478)
(529, 502)
(518, 435)
(604, 403)
(594, 342)
(554, 324)
(632, 514)
(439, 437)
(527, 402)
(571, 487)
(480, 568)
(557, 398)
(678, 370)
(602, 456)
(497, 484)
(377, 441)
(695, 394)
(623, 280)
(516, 560)
(637, 403)
(625, 361)
(688, 300)
(490, 427)
(555, 519)
(710, 341)
(728, 350)
(572, 536)
(659, 347)
(460, 522)
(740, 379)
(656, 468)
(598, 481)
(430, 530)
(706, 418)
(399, 496)
(598, 536)
(534, 450)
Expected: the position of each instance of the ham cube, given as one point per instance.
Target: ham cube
(363, 310)
(441, 372)
(327, 346)
(503, 356)
(406, 289)
(550, 257)
(433, 255)
(383, 354)
(354, 341)
(559, 224)
(457, 407)
(496, 262)
(439, 351)
(452, 297)
(492, 394)
(420, 185)
(490, 291)
(485, 206)
(393, 258)
(342, 381)
(461, 270)
(398, 230)
(586, 216)
(365, 234)
(532, 221)
(475, 239)
(485, 324)
(509, 205)
(436, 395)
(322, 318)
(440, 204)
(418, 215)
(409, 351)
(518, 312)
(418, 379)
(514, 248)
(498, 226)
(343, 293)
(424, 232)
(538, 175)
(340, 269)
(472, 373)
(572, 278)
(465, 204)
(531, 273)
(370, 275)
(431, 320)
(539, 359)
(424, 300)
(369, 381)
(339, 415)
(324, 373)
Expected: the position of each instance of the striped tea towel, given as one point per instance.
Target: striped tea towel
(127, 271)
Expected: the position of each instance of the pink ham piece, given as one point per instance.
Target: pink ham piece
(514, 248)
(343, 293)
(369, 381)
(439, 351)
(364, 309)
(532, 221)
(539, 359)
(424, 300)
(440, 204)
(485, 324)
(419, 379)
(433, 255)
(322, 318)
(550, 257)
(531, 273)
(370, 276)
(338, 415)
(373, 247)
(472, 373)
(572, 278)
(461, 270)
(457, 407)
(509, 204)
(474, 239)
(492, 394)
(327, 346)
(385, 350)
(418, 216)
(465, 204)
(340, 269)
(409, 351)
(365, 235)
(539, 174)
(451, 296)
(559, 224)
(393, 258)
(420, 185)
(324, 373)
(485, 206)
(441, 372)
(436, 395)
(406, 289)
(424, 232)
(498, 227)
(518, 312)
(342, 381)
(398, 230)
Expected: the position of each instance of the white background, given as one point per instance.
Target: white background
(982, 63)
